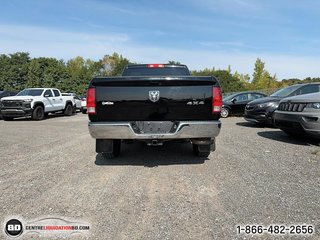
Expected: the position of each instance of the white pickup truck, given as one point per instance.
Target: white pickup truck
(37, 103)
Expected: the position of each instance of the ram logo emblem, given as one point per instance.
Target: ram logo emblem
(154, 96)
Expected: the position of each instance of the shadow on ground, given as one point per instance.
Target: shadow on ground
(50, 116)
(139, 154)
(280, 136)
(253, 125)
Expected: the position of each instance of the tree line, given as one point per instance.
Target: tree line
(261, 79)
(19, 71)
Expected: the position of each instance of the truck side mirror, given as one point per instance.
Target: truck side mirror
(233, 100)
(46, 95)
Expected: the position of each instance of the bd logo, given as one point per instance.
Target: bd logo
(14, 228)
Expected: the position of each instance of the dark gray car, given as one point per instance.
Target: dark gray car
(299, 115)
(262, 110)
(5, 94)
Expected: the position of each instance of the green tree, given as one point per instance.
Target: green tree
(262, 78)
(81, 72)
(47, 72)
(56, 75)
(245, 80)
(79, 79)
(14, 70)
(228, 82)
(113, 65)
(4, 71)
(258, 73)
(35, 74)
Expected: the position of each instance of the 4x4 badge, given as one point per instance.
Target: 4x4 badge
(154, 96)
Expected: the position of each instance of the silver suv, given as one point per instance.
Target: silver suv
(299, 115)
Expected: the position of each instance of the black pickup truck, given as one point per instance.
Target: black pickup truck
(154, 103)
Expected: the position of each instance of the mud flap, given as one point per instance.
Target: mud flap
(104, 145)
(205, 145)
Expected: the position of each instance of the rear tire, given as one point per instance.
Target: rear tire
(84, 111)
(68, 110)
(7, 118)
(38, 113)
(197, 153)
(225, 112)
(115, 150)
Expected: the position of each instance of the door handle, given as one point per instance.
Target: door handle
(53, 99)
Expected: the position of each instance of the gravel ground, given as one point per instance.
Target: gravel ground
(256, 176)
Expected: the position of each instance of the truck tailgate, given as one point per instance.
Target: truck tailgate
(154, 99)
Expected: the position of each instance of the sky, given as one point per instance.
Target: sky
(285, 34)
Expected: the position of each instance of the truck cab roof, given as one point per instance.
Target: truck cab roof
(156, 70)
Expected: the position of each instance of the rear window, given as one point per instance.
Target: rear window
(159, 71)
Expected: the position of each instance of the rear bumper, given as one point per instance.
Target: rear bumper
(16, 112)
(184, 130)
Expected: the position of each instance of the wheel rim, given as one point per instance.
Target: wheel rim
(224, 112)
(69, 109)
(39, 113)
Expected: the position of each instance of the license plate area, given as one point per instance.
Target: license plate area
(154, 127)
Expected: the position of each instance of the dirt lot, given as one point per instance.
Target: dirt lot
(256, 176)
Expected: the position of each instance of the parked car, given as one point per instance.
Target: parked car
(6, 94)
(236, 103)
(83, 108)
(262, 110)
(154, 103)
(299, 115)
(77, 100)
(36, 102)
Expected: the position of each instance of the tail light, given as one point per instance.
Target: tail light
(216, 100)
(91, 101)
(155, 65)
